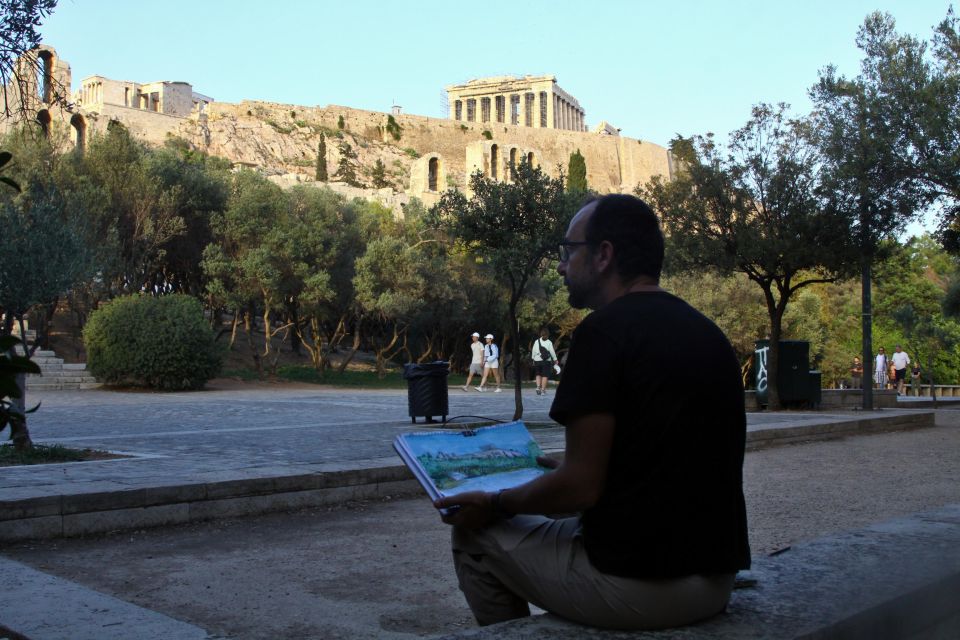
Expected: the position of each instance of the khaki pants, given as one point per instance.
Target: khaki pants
(532, 559)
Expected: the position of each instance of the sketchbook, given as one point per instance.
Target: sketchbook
(486, 459)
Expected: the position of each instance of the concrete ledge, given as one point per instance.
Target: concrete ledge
(53, 516)
(101, 512)
(39, 606)
(838, 399)
(865, 425)
(894, 580)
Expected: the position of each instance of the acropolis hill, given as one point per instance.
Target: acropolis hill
(493, 123)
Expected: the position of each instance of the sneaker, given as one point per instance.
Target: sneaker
(480, 389)
(464, 387)
(497, 390)
(538, 391)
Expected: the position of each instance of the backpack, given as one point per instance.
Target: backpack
(544, 354)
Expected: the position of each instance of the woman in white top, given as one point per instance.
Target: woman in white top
(544, 358)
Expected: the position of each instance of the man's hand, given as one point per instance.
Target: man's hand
(547, 462)
(474, 509)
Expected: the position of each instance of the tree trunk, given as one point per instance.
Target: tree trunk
(249, 324)
(775, 311)
(356, 345)
(233, 328)
(515, 350)
(19, 433)
(867, 326)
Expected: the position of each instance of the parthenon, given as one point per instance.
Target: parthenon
(545, 104)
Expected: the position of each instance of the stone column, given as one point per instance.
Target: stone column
(551, 101)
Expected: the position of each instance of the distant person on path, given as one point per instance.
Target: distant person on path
(880, 370)
(856, 374)
(915, 379)
(491, 362)
(900, 362)
(476, 361)
(544, 358)
(655, 475)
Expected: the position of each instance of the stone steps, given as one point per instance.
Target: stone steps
(56, 375)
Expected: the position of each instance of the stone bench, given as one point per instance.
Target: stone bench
(894, 580)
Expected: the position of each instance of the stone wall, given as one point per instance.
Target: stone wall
(284, 138)
(430, 156)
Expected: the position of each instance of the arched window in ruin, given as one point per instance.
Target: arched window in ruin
(80, 131)
(433, 173)
(494, 159)
(45, 73)
(530, 159)
(43, 117)
(513, 164)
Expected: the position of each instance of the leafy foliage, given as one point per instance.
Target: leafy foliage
(378, 175)
(347, 167)
(19, 33)
(756, 211)
(394, 128)
(512, 228)
(577, 173)
(157, 342)
(321, 173)
(12, 412)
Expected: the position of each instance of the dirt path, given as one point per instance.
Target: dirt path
(382, 570)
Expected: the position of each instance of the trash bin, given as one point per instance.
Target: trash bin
(427, 389)
(793, 376)
(813, 393)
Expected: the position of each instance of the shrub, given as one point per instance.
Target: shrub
(394, 128)
(486, 134)
(159, 342)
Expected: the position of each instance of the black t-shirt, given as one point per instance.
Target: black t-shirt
(673, 500)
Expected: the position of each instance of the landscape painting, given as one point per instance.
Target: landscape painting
(484, 459)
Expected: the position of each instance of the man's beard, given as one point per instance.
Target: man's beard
(578, 293)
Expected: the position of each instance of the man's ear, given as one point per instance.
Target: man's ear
(604, 256)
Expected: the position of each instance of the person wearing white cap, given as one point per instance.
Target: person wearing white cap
(476, 363)
(491, 362)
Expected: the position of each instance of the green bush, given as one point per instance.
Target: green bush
(158, 342)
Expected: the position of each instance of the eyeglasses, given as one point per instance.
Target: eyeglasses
(564, 251)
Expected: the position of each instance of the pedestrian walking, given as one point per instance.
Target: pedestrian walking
(544, 359)
(880, 369)
(491, 363)
(476, 361)
(900, 362)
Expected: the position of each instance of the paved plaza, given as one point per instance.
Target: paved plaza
(360, 568)
(235, 432)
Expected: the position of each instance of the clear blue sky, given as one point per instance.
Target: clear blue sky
(652, 69)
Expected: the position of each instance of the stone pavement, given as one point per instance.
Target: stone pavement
(255, 448)
(250, 450)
